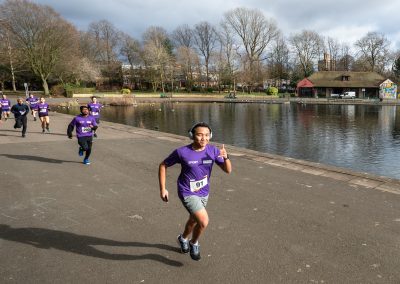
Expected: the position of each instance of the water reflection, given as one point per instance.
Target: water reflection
(363, 138)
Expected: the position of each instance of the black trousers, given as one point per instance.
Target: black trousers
(86, 144)
(21, 121)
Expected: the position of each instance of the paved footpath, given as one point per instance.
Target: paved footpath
(273, 220)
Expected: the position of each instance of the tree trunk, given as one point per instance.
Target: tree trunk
(45, 87)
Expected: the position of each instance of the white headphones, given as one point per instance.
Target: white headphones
(199, 124)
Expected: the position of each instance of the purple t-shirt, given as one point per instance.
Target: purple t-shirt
(83, 125)
(196, 169)
(33, 102)
(5, 104)
(94, 109)
(43, 109)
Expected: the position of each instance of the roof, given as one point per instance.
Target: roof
(356, 79)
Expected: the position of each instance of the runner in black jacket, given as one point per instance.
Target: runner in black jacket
(20, 111)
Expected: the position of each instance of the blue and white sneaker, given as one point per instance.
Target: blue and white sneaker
(184, 244)
(194, 251)
(80, 152)
(86, 161)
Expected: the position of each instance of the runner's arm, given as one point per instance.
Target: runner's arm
(226, 166)
(70, 129)
(162, 173)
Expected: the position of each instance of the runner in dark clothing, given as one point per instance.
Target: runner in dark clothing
(20, 112)
(85, 126)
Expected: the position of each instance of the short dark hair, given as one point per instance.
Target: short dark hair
(199, 124)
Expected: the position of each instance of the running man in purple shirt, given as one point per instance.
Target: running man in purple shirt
(43, 109)
(94, 109)
(197, 160)
(85, 125)
(5, 107)
(33, 104)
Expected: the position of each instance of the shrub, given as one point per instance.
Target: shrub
(125, 91)
(58, 90)
(271, 91)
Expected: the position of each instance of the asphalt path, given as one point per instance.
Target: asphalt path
(273, 220)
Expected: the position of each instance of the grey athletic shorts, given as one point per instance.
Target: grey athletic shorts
(194, 203)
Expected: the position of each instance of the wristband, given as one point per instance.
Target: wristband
(227, 158)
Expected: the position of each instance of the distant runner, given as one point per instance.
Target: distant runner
(33, 104)
(43, 109)
(20, 111)
(95, 108)
(85, 125)
(5, 107)
(197, 160)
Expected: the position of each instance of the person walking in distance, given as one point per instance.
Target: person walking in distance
(5, 107)
(85, 126)
(33, 104)
(43, 109)
(197, 160)
(20, 111)
(94, 110)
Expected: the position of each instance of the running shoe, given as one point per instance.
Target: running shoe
(34, 119)
(23, 135)
(86, 161)
(184, 244)
(95, 135)
(80, 152)
(194, 251)
(42, 130)
(48, 129)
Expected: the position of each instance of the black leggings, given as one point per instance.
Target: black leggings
(21, 121)
(86, 145)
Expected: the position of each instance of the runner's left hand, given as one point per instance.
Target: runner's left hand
(222, 152)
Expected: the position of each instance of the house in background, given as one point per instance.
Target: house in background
(365, 84)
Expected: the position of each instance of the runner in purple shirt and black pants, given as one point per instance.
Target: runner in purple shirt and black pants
(197, 160)
(85, 125)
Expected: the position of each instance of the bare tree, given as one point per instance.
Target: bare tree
(346, 60)
(307, 46)
(205, 39)
(333, 49)
(183, 36)
(229, 56)
(7, 57)
(188, 59)
(131, 51)
(279, 65)
(255, 32)
(374, 49)
(157, 55)
(107, 39)
(43, 36)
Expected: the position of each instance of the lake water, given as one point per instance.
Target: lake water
(359, 137)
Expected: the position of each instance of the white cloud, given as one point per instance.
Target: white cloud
(343, 19)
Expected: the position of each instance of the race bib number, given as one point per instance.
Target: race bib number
(95, 113)
(43, 110)
(86, 129)
(22, 112)
(198, 184)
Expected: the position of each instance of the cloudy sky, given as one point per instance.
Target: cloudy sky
(345, 20)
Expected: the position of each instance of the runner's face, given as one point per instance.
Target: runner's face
(42, 100)
(201, 136)
(85, 111)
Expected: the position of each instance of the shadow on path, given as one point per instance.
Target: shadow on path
(36, 158)
(79, 244)
(32, 132)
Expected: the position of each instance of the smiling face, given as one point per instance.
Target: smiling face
(201, 137)
(42, 100)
